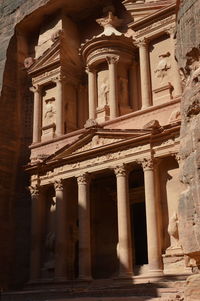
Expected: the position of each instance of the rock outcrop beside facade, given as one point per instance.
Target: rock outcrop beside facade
(188, 55)
(14, 137)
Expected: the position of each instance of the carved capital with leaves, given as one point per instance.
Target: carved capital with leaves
(83, 179)
(114, 59)
(120, 170)
(58, 185)
(34, 190)
(143, 42)
(147, 164)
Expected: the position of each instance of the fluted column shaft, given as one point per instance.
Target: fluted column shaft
(92, 93)
(36, 233)
(113, 92)
(124, 231)
(61, 232)
(145, 74)
(37, 114)
(84, 228)
(154, 254)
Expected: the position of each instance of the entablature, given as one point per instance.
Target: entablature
(92, 159)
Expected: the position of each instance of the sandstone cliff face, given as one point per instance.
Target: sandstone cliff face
(14, 138)
(188, 55)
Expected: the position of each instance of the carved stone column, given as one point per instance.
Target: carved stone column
(175, 68)
(61, 232)
(92, 92)
(145, 74)
(154, 254)
(124, 232)
(59, 106)
(113, 92)
(84, 228)
(133, 86)
(36, 232)
(37, 114)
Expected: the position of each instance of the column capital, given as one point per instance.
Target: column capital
(35, 88)
(58, 185)
(114, 59)
(34, 190)
(90, 69)
(147, 164)
(83, 179)
(120, 170)
(143, 42)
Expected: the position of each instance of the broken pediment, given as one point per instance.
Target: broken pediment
(49, 58)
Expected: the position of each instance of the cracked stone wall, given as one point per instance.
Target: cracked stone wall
(188, 55)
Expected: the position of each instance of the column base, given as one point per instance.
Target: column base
(155, 272)
(124, 277)
(145, 107)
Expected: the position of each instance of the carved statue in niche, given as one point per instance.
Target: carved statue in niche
(103, 95)
(103, 89)
(49, 263)
(49, 111)
(173, 232)
(163, 66)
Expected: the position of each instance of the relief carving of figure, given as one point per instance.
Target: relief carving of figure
(103, 94)
(194, 70)
(173, 231)
(163, 66)
(49, 111)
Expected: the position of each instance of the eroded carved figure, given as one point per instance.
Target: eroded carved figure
(173, 231)
(103, 89)
(163, 66)
(103, 94)
(49, 111)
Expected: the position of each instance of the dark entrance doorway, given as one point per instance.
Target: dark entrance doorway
(139, 232)
(138, 217)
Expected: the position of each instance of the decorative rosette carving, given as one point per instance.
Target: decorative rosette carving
(58, 185)
(120, 170)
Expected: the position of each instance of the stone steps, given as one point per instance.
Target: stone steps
(98, 290)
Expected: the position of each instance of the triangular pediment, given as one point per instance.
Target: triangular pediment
(49, 58)
(94, 141)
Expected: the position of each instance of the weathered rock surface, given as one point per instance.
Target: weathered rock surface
(188, 54)
(14, 138)
(192, 291)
